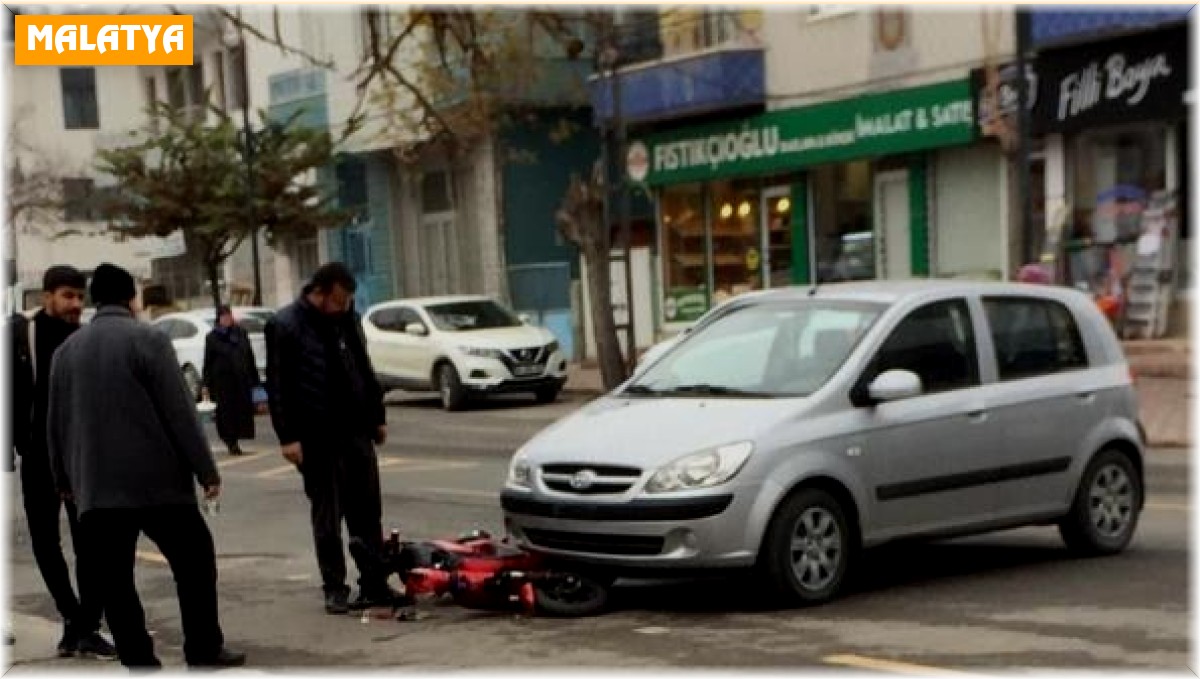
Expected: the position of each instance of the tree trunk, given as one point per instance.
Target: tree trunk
(604, 327)
(213, 269)
(581, 220)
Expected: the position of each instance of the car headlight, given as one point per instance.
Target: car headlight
(520, 472)
(481, 352)
(701, 470)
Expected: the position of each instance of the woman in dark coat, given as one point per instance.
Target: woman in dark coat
(230, 377)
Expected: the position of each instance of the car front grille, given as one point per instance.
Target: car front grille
(600, 479)
(511, 358)
(596, 543)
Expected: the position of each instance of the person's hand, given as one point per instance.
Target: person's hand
(204, 394)
(66, 495)
(292, 453)
(212, 492)
(381, 435)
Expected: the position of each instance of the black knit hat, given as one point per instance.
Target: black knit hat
(63, 277)
(112, 285)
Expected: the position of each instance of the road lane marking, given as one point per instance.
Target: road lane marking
(894, 666)
(1168, 506)
(489, 494)
(277, 471)
(152, 557)
(410, 465)
(231, 461)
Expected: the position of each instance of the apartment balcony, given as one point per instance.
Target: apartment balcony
(1057, 26)
(703, 64)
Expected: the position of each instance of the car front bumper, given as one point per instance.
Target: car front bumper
(490, 375)
(701, 531)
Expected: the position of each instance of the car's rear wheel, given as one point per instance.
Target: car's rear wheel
(807, 549)
(1107, 505)
(192, 379)
(453, 394)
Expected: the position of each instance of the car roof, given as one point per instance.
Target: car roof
(430, 301)
(893, 291)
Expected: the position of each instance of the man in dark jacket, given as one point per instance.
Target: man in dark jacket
(126, 444)
(34, 343)
(327, 410)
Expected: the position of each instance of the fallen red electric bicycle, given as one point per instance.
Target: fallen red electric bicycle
(478, 571)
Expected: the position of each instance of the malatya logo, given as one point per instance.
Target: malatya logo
(103, 40)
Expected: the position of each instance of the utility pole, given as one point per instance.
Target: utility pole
(1024, 192)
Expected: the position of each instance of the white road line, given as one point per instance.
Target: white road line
(152, 557)
(1168, 506)
(881, 665)
(231, 461)
(275, 472)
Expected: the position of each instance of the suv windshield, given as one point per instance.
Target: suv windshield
(766, 349)
(473, 315)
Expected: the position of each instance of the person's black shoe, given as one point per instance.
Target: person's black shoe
(224, 658)
(337, 602)
(97, 646)
(376, 598)
(69, 642)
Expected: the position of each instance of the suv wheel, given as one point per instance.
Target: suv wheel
(547, 394)
(807, 548)
(1107, 503)
(453, 393)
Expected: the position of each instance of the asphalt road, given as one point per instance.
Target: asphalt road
(1008, 600)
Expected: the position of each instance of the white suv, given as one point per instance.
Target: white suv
(461, 346)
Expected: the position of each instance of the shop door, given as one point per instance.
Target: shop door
(893, 257)
(776, 211)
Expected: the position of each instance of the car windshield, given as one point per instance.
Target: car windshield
(764, 349)
(472, 315)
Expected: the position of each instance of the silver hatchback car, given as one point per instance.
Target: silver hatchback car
(791, 428)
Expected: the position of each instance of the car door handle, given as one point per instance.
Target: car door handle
(1086, 397)
(977, 416)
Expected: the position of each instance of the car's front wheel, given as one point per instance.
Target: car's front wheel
(453, 394)
(807, 548)
(547, 394)
(1107, 504)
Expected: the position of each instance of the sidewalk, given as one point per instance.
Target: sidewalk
(1162, 370)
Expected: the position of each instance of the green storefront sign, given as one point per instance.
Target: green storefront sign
(871, 125)
(684, 305)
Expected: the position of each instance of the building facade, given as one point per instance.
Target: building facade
(850, 152)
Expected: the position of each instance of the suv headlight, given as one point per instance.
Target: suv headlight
(520, 472)
(701, 470)
(480, 352)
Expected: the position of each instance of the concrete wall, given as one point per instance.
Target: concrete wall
(812, 58)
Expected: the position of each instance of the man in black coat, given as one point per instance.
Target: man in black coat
(327, 410)
(230, 377)
(126, 444)
(34, 342)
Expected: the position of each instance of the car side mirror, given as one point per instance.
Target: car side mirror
(894, 385)
(525, 318)
(416, 329)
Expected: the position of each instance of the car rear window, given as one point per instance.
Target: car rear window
(1033, 337)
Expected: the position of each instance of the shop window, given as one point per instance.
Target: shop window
(844, 233)
(736, 243)
(1115, 173)
(685, 266)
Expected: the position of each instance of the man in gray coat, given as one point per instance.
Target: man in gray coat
(126, 444)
